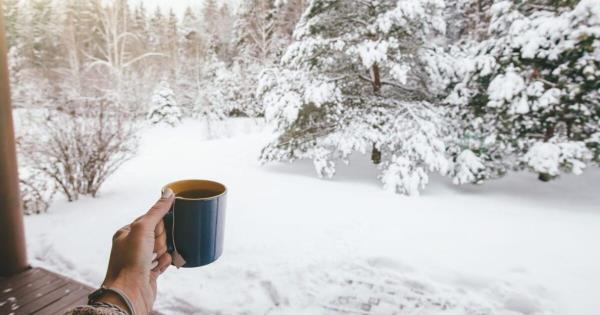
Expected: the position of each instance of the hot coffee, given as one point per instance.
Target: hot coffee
(197, 194)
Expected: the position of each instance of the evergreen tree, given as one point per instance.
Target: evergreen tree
(163, 106)
(11, 21)
(362, 76)
(214, 30)
(140, 27)
(85, 17)
(288, 14)
(123, 14)
(172, 38)
(467, 20)
(256, 34)
(259, 40)
(190, 37)
(72, 84)
(157, 28)
(210, 17)
(41, 33)
(530, 96)
(189, 23)
(226, 31)
(216, 98)
(188, 80)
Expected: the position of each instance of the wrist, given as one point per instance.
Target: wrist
(126, 294)
(112, 298)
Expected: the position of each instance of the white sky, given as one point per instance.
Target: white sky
(177, 5)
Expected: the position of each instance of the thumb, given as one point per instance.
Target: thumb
(160, 208)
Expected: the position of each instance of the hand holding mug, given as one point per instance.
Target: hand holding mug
(186, 223)
(138, 257)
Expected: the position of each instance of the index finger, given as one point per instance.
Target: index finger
(154, 216)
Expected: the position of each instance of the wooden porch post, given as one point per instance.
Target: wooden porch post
(13, 258)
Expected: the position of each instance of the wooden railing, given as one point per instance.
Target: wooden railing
(13, 257)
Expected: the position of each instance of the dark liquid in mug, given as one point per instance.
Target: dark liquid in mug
(197, 193)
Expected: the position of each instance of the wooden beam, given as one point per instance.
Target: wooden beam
(12, 235)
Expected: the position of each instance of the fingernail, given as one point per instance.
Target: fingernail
(154, 264)
(154, 256)
(167, 193)
(178, 260)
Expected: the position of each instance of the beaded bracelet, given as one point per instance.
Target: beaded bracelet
(93, 297)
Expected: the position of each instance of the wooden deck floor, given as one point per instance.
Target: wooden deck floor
(41, 292)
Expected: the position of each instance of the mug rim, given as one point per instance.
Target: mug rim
(196, 180)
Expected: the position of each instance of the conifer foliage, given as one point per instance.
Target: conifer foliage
(530, 95)
(362, 76)
(469, 89)
(164, 106)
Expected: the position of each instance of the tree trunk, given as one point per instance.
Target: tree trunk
(375, 155)
(376, 77)
(545, 177)
(549, 133)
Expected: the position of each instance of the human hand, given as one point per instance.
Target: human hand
(138, 256)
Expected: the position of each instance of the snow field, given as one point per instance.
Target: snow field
(296, 244)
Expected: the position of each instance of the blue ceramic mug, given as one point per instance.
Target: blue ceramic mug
(196, 222)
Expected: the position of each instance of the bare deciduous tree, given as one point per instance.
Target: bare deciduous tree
(80, 150)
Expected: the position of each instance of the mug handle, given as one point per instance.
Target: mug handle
(168, 222)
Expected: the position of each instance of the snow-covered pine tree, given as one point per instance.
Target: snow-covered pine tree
(157, 31)
(140, 20)
(12, 14)
(258, 43)
(255, 32)
(264, 28)
(139, 27)
(163, 106)
(288, 14)
(191, 53)
(530, 97)
(32, 53)
(362, 76)
(211, 29)
(218, 95)
(189, 26)
(172, 38)
(42, 34)
(467, 20)
(226, 19)
(210, 16)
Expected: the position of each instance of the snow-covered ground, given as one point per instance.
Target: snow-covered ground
(296, 244)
